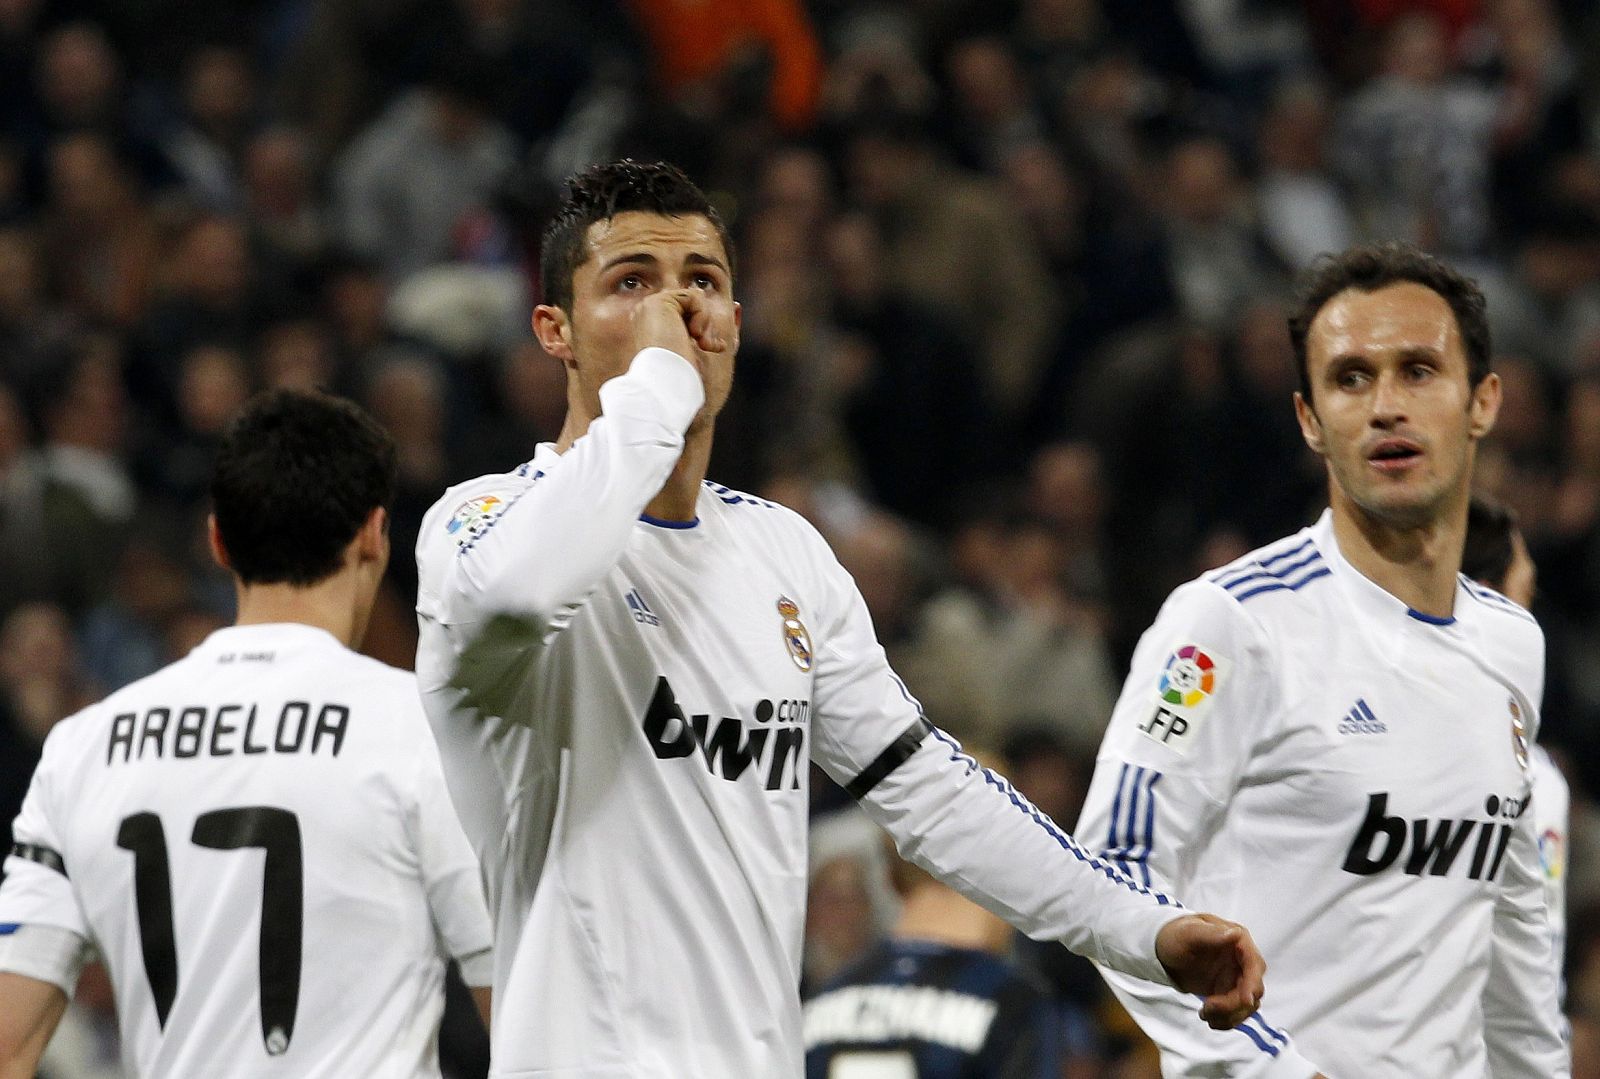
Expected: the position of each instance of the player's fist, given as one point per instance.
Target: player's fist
(1217, 960)
(681, 320)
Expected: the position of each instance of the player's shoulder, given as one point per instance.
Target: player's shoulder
(745, 512)
(467, 509)
(1499, 613)
(1287, 579)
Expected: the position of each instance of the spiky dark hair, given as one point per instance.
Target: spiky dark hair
(601, 192)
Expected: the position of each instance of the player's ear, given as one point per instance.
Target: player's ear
(1310, 425)
(554, 330)
(1485, 405)
(219, 553)
(372, 540)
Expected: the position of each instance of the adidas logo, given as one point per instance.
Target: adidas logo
(1360, 720)
(642, 613)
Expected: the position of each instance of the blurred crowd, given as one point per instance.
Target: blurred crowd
(1015, 275)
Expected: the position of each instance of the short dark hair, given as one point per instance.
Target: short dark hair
(1491, 529)
(601, 192)
(296, 476)
(1369, 268)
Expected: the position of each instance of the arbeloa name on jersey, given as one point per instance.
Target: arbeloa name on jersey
(1435, 845)
(775, 743)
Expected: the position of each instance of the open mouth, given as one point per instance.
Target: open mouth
(1394, 453)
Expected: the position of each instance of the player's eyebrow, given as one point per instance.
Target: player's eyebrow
(643, 258)
(697, 259)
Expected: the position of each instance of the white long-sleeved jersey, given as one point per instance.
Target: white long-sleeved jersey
(1296, 749)
(258, 841)
(626, 709)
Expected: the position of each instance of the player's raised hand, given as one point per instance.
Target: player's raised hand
(1217, 960)
(678, 319)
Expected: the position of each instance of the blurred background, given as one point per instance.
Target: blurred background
(1015, 275)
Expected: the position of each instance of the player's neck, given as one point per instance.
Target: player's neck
(679, 496)
(1415, 564)
(935, 913)
(332, 604)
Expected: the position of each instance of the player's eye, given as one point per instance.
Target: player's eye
(705, 281)
(630, 282)
(1419, 372)
(1351, 379)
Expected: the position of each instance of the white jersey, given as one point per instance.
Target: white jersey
(258, 841)
(1298, 750)
(627, 709)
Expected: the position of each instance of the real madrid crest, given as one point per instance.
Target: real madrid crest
(795, 637)
(1519, 734)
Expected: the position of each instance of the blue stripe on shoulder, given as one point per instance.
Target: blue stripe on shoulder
(1312, 559)
(8, 928)
(1490, 598)
(1284, 586)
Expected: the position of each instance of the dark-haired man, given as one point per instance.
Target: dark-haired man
(256, 839)
(1329, 738)
(630, 669)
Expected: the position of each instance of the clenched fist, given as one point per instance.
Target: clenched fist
(1217, 960)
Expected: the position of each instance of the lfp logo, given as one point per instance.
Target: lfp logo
(1189, 677)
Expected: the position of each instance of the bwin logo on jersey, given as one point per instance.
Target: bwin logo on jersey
(1435, 845)
(775, 745)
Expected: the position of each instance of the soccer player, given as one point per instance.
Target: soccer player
(939, 999)
(257, 839)
(1330, 738)
(629, 670)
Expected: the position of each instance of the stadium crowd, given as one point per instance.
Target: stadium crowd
(1014, 276)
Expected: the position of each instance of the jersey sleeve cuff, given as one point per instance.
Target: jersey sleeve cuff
(45, 953)
(660, 386)
(477, 969)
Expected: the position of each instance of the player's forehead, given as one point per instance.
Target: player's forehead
(1400, 319)
(672, 239)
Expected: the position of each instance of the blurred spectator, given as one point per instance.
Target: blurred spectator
(207, 148)
(700, 51)
(1414, 144)
(849, 902)
(175, 464)
(280, 198)
(1302, 210)
(909, 396)
(952, 242)
(1213, 252)
(211, 297)
(125, 638)
(298, 353)
(417, 186)
(406, 394)
(79, 478)
(995, 113)
(40, 685)
(99, 240)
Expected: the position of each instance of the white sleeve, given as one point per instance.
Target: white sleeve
(43, 953)
(1521, 999)
(37, 889)
(962, 823)
(1167, 769)
(541, 556)
(450, 873)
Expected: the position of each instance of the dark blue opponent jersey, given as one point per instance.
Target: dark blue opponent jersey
(921, 1010)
